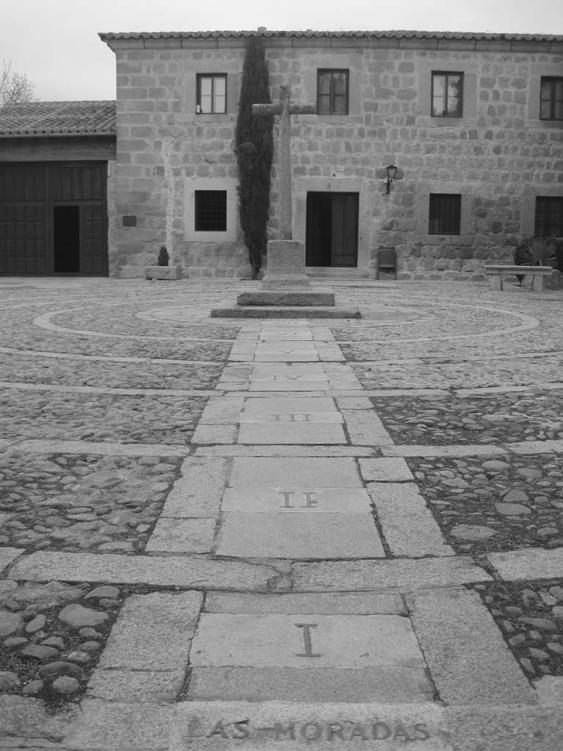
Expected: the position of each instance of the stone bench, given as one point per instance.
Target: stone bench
(536, 273)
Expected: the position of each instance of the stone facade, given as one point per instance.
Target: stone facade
(498, 155)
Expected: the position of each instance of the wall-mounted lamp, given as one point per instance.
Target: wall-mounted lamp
(391, 175)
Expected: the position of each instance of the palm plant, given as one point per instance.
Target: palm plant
(536, 251)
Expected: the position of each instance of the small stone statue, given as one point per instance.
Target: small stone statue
(163, 257)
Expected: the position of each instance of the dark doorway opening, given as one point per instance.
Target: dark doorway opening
(66, 239)
(332, 229)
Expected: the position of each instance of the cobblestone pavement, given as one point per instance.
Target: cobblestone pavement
(325, 534)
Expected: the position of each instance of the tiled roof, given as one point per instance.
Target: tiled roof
(261, 32)
(93, 118)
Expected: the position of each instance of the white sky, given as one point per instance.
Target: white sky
(55, 42)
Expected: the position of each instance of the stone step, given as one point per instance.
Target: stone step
(289, 297)
(337, 273)
(271, 311)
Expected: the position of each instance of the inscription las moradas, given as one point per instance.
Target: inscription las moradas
(313, 730)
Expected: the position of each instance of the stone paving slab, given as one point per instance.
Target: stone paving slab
(291, 383)
(313, 432)
(299, 473)
(304, 641)
(532, 563)
(37, 446)
(402, 574)
(353, 402)
(276, 421)
(136, 686)
(286, 451)
(152, 632)
(367, 684)
(164, 571)
(172, 535)
(385, 470)
(381, 727)
(465, 652)
(365, 603)
(215, 434)
(301, 536)
(120, 726)
(321, 500)
(279, 405)
(221, 410)
(407, 524)
(198, 491)
(476, 450)
(365, 428)
(502, 728)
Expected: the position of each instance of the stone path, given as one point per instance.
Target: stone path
(280, 534)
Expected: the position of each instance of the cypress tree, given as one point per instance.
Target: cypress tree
(254, 150)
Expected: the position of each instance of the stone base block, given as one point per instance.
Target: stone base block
(163, 272)
(294, 311)
(286, 281)
(286, 297)
(286, 265)
(130, 272)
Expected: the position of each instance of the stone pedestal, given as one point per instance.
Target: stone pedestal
(162, 272)
(286, 265)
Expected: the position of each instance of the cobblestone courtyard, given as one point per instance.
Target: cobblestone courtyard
(280, 534)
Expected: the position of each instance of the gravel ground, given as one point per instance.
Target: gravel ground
(82, 502)
(99, 417)
(460, 374)
(51, 636)
(500, 418)
(490, 504)
(38, 340)
(108, 374)
(530, 617)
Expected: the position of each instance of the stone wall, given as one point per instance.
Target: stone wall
(498, 156)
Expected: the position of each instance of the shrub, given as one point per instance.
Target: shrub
(254, 150)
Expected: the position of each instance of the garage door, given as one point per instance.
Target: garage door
(53, 218)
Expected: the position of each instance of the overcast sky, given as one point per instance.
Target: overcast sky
(55, 42)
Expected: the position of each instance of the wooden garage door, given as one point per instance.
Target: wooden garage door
(30, 194)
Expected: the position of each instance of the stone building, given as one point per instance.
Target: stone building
(472, 121)
(55, 158)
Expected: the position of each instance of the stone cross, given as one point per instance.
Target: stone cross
(284, 109)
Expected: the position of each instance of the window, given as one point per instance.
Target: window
(211, 93)
(551, 98)
(210, 211)
(447, 94)
(332, 92)
(549, 216)
(445, 214)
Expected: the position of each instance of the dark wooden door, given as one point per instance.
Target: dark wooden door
(332, 229)
(344, 249)
(24, 225)
(53, 218)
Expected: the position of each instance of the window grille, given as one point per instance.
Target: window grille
(445, 214)
(447, 94)
(551, 98)
(549, 216)
(332, 92)
(210, 210)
